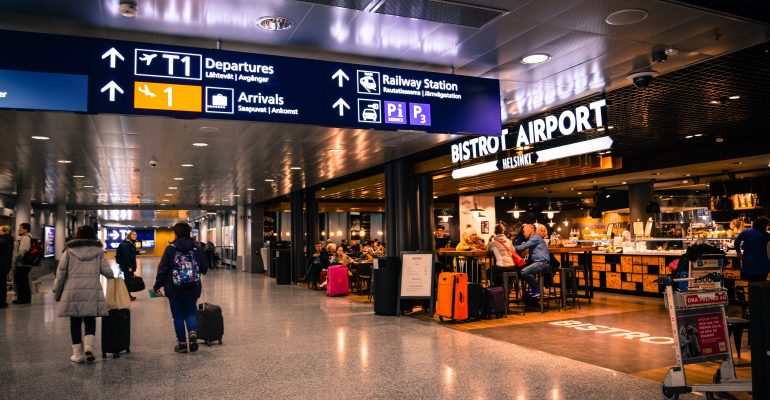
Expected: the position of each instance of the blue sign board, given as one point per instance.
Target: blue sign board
(145, 238)
(152, 79)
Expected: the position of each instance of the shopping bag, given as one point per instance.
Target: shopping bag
(134, 283)
(117, 295)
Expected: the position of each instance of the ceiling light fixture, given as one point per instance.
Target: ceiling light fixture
(188, 165)
(78, 176)
(626, 17)
(515, 210)
(295, 168)
(445, 216)
(335, 150)
(734, 97)
(475, 210)
(274, 23)
(88, 186)
(536, 58)
(127, 8)
(64, 162)
(250, 189)
(172, 188)
(178, 179)
(200, 144)
(269, 180)
(40, 137)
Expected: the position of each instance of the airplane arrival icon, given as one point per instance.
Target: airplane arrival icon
(146, 91)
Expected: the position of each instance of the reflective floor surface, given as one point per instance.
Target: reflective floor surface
(290, 342)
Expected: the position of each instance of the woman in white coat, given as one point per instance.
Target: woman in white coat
(78, 290)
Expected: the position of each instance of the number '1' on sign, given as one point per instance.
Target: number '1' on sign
(164, 96)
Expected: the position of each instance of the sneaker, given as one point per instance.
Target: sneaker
(193, 341)
(181, 347)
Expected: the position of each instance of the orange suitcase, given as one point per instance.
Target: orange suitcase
(452, 299)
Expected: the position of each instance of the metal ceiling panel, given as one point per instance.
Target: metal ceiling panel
(440, 11)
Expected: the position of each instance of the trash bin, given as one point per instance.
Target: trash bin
(283, 266)
(386, 287)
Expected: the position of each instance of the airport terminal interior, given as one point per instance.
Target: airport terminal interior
(492, 199)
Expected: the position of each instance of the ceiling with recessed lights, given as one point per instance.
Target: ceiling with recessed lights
(111, 155)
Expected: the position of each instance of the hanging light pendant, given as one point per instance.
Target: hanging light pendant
(550, 211)
(445, 216)
(475, 210)
(515, 211)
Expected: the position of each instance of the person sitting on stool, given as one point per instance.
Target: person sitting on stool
(502, 249)
(539, 257)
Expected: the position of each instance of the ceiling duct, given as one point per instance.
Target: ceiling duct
(447, 12)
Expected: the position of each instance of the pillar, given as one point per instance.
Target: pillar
(311, 219)
(257, 237)
(61, 230)
(397, 201)
(425, 212)
(639, 196)
(297, 235)
(23, 208)
(218, 229)
(242, 245)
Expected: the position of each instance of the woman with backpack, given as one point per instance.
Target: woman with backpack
(179, 275)
(78, 290)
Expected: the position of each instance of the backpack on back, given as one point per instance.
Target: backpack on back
(184, 270)
(33, 256)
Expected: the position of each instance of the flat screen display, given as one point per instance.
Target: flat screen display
(49, 241)
(145, 238)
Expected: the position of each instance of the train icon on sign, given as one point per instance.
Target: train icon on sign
(368, 82)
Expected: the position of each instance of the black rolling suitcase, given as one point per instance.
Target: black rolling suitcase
(116, 332)
(494, 302)
(211, 325)
(475, 301)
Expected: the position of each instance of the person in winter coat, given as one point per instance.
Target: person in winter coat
(125, 256)
(20, 269)
(78, 290)
(6, 256)
(178, 275)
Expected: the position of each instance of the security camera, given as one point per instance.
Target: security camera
(642, 80)
(128, 8)
(153, 163)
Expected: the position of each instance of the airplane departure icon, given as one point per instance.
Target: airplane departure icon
(146, 91)
(147, 58)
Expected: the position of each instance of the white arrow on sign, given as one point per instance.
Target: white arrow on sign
(112, 87)
(339, 76)
(114, 235)
(113, 54)
(342, 106)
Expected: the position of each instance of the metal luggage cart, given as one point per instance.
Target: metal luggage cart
(699, 324)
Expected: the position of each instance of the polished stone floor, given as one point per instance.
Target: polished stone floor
(290, 342)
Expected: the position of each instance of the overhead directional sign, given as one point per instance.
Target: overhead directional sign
(148, 79)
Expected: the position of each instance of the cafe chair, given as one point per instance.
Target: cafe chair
(511, 281)
(735, 325)
(364, 275)
(568, 285)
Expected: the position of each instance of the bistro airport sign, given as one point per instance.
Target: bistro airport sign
(569, 122)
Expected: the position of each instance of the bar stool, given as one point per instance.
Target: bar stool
(550, 294)
(568, 283)
(507, 276)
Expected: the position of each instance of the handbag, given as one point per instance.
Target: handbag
(517, 260)
(135, 283)
(117, 296)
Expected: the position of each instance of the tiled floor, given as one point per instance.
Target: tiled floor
(290, 342)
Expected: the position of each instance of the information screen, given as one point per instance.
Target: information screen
(49, 241)
(150, 79)
(145, 238)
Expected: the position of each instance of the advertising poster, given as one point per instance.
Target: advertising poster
(702, 335)
(49, 241)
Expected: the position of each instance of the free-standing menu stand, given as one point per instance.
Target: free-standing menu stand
(416, 280)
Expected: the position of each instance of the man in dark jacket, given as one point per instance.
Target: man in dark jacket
(125, 256)
(319, 261)
(751, 247)
(178, 274)
(6, 256)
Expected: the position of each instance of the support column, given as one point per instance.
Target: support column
(218, 229)
(21, 213)
(297, 235)
(425, 212)
(397, 216)
(257, 236)
(242, 243)
(639, 197)
(60, 233)
(311, 219)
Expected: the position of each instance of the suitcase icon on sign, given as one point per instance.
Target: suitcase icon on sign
(219, 100)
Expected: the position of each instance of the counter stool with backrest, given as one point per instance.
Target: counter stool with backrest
(507, 278)
(568, 283)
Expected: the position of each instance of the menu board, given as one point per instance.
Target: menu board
(416, 275)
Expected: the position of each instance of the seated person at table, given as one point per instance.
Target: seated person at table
(341, 258)
(542, 231)
(441, 239)
(379, 249)
(319, 261)
(503, 251)
(539, 257)
(345, 246)
(355, 248)
(470, 240)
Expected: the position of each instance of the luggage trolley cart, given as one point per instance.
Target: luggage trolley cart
(700, 331)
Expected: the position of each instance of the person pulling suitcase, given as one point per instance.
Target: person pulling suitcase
(179, 276)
